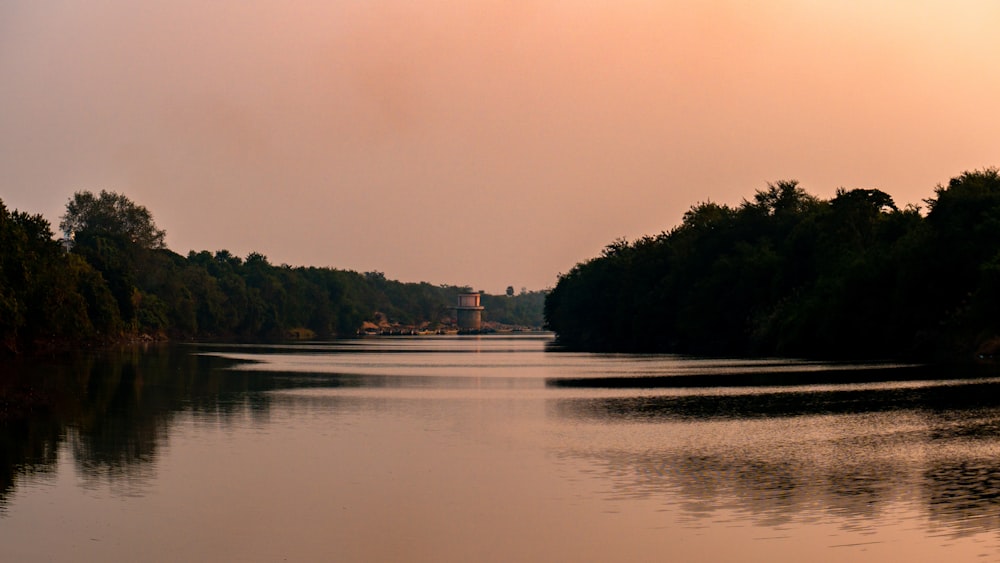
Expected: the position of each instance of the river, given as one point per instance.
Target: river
(491, 448)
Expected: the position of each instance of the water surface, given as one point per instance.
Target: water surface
(492, 449)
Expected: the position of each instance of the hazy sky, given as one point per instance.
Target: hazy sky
(481, 142)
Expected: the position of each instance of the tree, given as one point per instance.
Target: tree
(110, 214)
(784, 273)
(118, 238)
(782, 198)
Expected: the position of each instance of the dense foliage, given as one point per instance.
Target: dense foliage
(112, 277)
(787, 273)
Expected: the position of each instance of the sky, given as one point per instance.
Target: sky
(485, 143)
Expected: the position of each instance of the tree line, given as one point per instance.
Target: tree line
(787, 273)
(111, 277)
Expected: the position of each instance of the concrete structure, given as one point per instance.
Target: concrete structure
(469, 312)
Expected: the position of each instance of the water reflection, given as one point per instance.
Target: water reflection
(774, 443)
(712, 404)
(964, 494)
(793, 456)
(27, 449)
(112, 408)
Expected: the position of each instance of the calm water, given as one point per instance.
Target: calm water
(492, 449)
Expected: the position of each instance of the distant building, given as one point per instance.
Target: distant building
(469, 312)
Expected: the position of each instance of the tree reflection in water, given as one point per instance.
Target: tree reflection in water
(776, 454)
(785, 455)
(113, 408)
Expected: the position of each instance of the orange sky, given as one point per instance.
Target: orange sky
(486, 143)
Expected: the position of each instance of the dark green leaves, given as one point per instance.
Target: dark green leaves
(788, 273)
(113, 215)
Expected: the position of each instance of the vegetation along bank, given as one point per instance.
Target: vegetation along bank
(787, 273)
(111, 278)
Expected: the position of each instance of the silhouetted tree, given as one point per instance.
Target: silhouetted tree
(110, 214)
(788, 273)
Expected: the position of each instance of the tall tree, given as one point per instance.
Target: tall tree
(117, 237)
(110, 214)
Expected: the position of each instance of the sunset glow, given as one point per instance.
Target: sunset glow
(486, 143)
